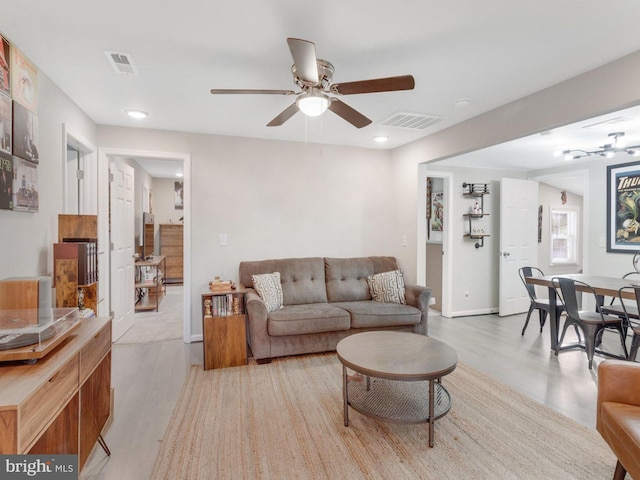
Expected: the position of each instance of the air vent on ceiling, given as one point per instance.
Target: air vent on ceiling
(121, 62)
(412, 121)
(609, 121)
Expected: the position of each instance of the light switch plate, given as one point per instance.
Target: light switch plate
(224, 239)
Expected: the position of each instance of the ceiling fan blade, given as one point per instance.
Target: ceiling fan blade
(389, 84)
(352, 116)
(224, 91)
(304, 58)
(285, 115)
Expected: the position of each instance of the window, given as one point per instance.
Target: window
(564, 236)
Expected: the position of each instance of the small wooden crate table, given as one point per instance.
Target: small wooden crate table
(224, 328)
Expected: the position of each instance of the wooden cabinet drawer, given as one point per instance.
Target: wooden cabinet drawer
(93, 351)
(46, 401)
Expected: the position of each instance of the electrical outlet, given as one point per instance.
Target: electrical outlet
(466, 294)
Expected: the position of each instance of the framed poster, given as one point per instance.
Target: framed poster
(25, 133)
(25, 186)
(5, 66)
(6, 181)
(623, 208)
(24, 81)
(179, 195)
(437, 211)
(6, 121)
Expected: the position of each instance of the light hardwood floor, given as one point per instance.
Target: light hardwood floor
(148, 378)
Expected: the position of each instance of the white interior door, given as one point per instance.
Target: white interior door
(122, 239)
(518, 241)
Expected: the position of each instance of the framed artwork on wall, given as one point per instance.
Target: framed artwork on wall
(6, 122)
(5, 66)
(6, 181)
(25, 133)
(437, 211)
(24, 81)
(25, 186)
(623, 208)
(179, 195)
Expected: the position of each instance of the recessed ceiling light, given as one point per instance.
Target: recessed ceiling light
(137, 114)
(179, 175)
(380, 139)
(462, 103)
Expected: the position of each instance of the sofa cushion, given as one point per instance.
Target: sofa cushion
(387, 287)
(370, 314)
(347, 277)
(302, 279)
(305, 319)
(268, 287)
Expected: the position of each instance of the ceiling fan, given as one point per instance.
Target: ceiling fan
(313, 76)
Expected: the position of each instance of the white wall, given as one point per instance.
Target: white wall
(275, 199)
(26, 243)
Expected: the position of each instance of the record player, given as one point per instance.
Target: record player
(29, 334)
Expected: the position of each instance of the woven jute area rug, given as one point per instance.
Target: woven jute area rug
(285, 420)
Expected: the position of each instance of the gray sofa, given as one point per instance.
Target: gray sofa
(325, 299)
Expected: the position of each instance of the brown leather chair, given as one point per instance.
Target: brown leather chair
(618, 413)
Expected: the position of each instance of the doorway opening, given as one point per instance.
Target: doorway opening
(105, 156)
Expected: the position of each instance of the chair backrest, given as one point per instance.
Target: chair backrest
(526, 272)
(568, 288)
(636, 289)
(631, 275)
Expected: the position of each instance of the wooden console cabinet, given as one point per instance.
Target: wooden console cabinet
(60, 404)
(172, 246)
(224, 329)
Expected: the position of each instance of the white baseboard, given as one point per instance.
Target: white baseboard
(469, 313)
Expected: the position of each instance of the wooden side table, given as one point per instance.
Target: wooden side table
(224, 329)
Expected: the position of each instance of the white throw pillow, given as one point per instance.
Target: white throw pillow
(269, 288)
(387, 287)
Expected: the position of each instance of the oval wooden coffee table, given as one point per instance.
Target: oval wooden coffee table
(402, 373)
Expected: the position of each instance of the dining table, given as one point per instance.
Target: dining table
(602, 285)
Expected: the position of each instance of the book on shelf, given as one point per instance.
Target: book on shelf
(85, 254)
(224, 305)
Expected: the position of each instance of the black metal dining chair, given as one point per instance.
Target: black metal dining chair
(540, 304)
(632, 322)
(591, 323)
(617, 306)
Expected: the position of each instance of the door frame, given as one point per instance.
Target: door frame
(104, 155)
(89, 201)
(586, 207)
(447, 238)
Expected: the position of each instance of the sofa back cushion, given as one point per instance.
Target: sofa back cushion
(302, 279)
(347, 277)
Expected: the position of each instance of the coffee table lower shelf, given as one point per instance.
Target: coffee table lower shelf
(395, 400)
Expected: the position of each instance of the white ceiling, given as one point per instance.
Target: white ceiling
(491, 52)
(536, 152)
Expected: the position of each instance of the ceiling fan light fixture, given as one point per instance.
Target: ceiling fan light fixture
(608, 150)
(313, 104)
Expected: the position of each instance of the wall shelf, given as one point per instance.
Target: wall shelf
(477, 191)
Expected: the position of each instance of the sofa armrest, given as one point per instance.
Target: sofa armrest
(257, 315)
(419, 297)
(619, 382)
